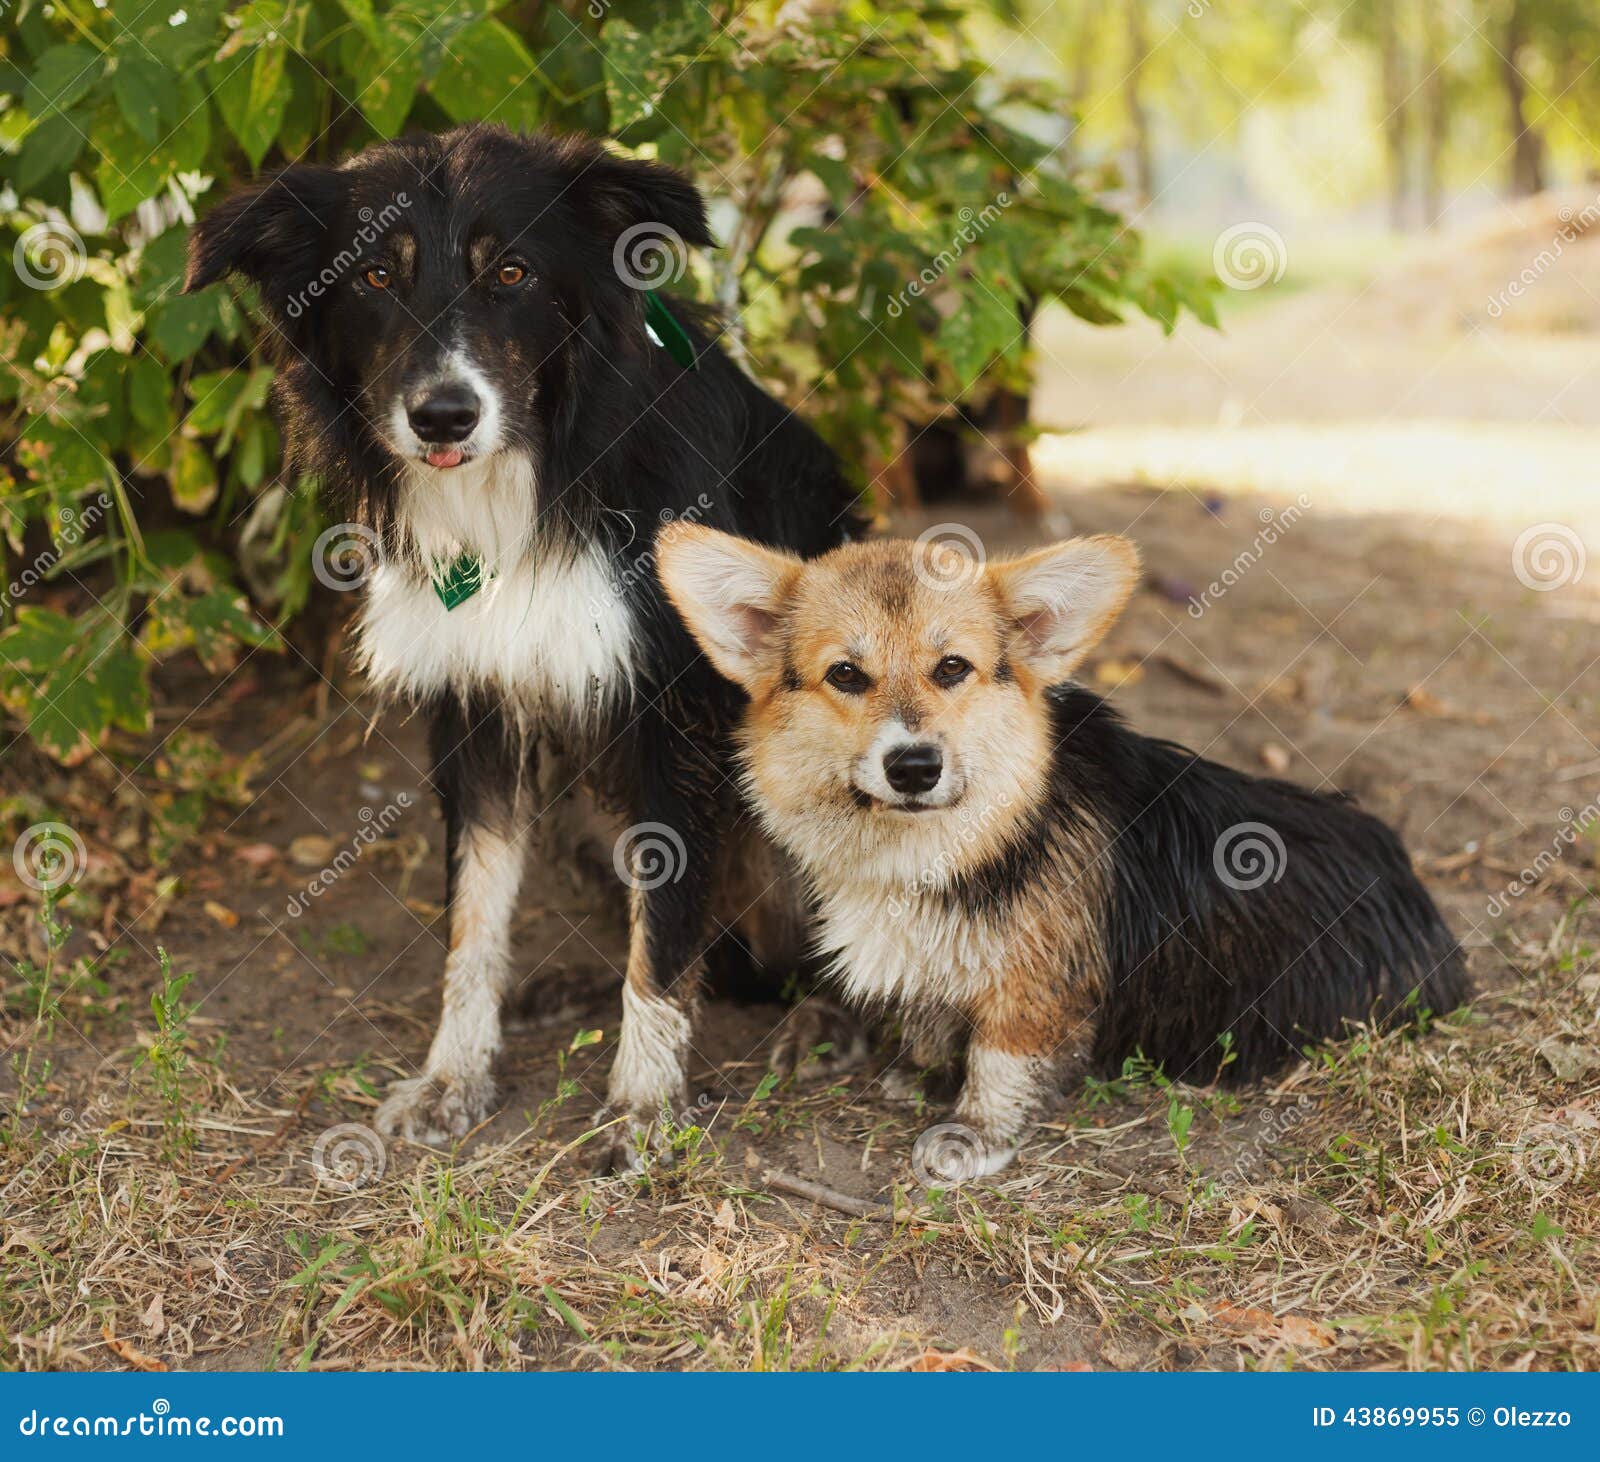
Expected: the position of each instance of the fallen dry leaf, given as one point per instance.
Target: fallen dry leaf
(1568, 1060)
(1295, 1329)
(221, 913)
(1424, 702)
(950, 1360)
(154, 1318)
(1115, 673)
(256, 855)
(131, 1354)
(311, 850)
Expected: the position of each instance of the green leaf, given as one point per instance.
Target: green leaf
(981, 328)
(60, 457)
(361, 14)
(128, 172)
(257, 443)
(102, 396)
(489, 74)
(63, 75)
(184, 322)
(178, 47)
(223, 397)
(251, 94)
(191, 137)
(213, 623)
(72, 680)
(388, 81)
(149, 395)
(51, 147)
(160, 272)
(144, 91)
(193, 477)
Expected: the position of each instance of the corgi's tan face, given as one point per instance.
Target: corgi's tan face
(894, 689)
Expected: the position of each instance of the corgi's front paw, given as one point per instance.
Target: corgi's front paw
(435, 1110)
(953, 1153)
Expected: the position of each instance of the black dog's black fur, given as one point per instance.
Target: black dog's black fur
(622, 435)
(1338, 929)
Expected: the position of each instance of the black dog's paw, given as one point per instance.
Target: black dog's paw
(435, 1110)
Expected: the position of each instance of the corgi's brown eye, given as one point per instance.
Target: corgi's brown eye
(510, 274)
(851, 679)
(951, 670)
(377, 277)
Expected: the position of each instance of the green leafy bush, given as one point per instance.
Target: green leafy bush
(886, 202)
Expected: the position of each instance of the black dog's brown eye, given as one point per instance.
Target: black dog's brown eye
(509, 274)
(851, 679)
(951, 670)
(377, 277)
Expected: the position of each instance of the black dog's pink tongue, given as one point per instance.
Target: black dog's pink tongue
(445, 457)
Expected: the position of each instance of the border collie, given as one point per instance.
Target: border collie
(471, 364)
(998, 857)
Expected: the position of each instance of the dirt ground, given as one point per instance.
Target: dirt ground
(1429, 1201)
(188, 1176)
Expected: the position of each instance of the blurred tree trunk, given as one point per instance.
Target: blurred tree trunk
(1527, 146)
(1133, 102)
(1436, 120)
(1396, 112)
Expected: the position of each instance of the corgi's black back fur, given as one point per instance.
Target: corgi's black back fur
(1284, 951)
(996, 856)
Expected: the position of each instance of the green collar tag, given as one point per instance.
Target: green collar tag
(666, 332)
(457, 582)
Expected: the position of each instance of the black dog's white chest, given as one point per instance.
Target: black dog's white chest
(550, 631)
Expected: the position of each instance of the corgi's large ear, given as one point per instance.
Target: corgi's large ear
(731, 593)
(1063, 599)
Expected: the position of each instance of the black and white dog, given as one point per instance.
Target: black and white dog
(470, 367)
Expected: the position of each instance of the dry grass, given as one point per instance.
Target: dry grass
(1429, 1202)
(1399, 1202)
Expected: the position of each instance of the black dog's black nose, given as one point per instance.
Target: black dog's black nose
(445, 415)
(913, 769)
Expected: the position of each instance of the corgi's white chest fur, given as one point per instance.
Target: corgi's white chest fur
(550, 631)
(905, 950)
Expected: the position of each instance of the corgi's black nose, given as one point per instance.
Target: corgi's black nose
(913, 769)
(447, 414)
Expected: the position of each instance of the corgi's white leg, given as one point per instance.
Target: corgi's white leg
(456, 1089)
(1003, 1091)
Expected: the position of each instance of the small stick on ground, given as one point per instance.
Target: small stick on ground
(827, 1197)
(275, 1139)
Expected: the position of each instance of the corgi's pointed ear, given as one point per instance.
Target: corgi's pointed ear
(1063, 599)
(730, 593)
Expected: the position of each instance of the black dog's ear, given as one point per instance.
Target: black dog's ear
(271, 233)
(625, 193)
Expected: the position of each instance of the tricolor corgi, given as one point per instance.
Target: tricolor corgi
(998, 858)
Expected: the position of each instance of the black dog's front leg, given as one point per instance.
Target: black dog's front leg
(477, 771)
(669, 856)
